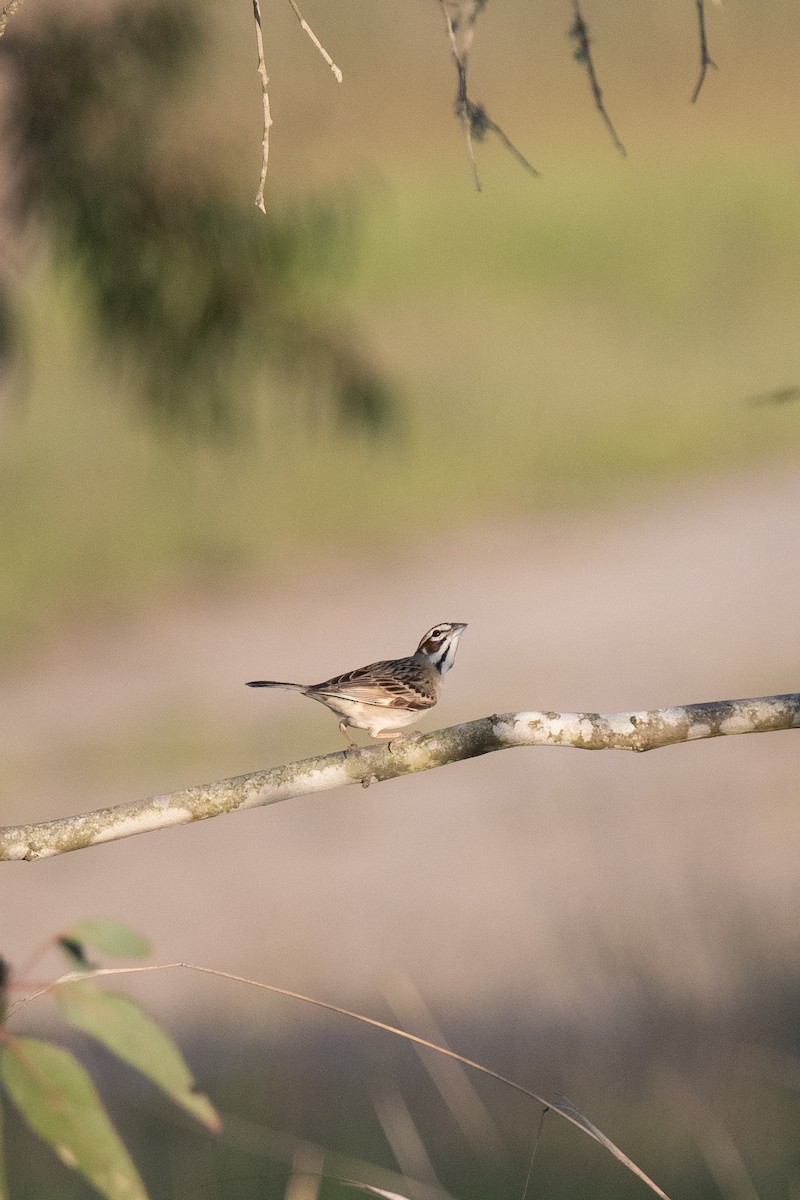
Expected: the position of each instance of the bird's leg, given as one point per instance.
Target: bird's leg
(351, 745)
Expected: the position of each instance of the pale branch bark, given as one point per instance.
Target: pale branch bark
(306, 28)
(637, 731)
(459, 18)
(262, 70)
(706, 60)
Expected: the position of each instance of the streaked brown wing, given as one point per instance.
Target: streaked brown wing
(383, 685)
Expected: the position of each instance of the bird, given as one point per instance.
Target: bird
(383, 696)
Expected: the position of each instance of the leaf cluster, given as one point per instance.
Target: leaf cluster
(54, 1093)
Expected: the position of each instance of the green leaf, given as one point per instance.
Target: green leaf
(127, 1031)
(75, 954)
(108, 937)
(58, 1100)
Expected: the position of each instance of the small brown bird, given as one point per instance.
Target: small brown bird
(383, 696)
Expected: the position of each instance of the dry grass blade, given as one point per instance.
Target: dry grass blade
(281, 1146)
(562, 1107)
(373, 1191)
(405, 1140)
(567, 1109)
(450, 1079)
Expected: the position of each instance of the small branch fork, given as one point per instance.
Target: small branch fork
(475, 121)
(706, 60)
(262, 70)
(583, 54)
(638, 731)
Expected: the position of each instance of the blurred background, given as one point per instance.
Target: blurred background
(565, 411)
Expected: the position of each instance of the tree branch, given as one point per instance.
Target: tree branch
(262, 70)
(304, 25)
(706, 60)
(637, 731)
(459, 18)
(583, 54)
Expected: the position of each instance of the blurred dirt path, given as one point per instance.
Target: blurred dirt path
(539, 881)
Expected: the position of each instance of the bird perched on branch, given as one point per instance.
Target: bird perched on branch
(384, 696)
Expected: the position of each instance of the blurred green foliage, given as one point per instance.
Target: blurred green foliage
(188, 293)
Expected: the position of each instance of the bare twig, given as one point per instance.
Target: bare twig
(462, 101)
(308, 30)
(262, 70)
(474, 119)
(562, 1107)
(583, 54)
(706, 60)
(638, 731)
(7, 11)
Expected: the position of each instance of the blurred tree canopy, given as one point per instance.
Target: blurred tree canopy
(187, 293)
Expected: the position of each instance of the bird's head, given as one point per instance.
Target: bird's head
(440, 644)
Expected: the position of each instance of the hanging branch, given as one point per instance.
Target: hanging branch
(583, 54)
(262, 70)
(706, 60)
(475, 121)
(462, 100)
(637, 731)
(304, 25)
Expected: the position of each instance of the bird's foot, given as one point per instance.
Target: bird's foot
(400, 739)
(351, 745)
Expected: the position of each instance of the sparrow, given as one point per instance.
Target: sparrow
(383, 696)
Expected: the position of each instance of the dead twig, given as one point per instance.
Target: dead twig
(474, 119)
(304, 25)
(636, 731)
(706, 60)
(462, 100)
(262, 70)
(583, 54)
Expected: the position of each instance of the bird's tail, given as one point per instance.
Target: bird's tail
(293, 687)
